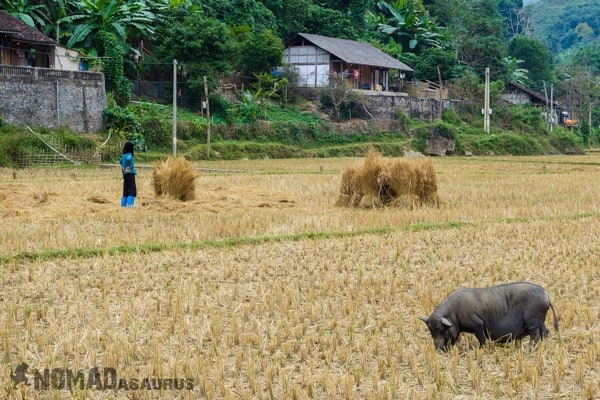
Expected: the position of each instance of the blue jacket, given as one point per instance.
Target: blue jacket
(127, 165)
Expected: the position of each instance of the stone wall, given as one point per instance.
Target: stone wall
(52, 98)
(384, 105)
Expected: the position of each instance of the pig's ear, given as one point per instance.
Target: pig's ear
(424, 319)
(446, 321)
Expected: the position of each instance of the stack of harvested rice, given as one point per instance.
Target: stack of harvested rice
(378, 181)
(175, 177)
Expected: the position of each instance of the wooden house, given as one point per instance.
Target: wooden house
(318, 57)
(516, 93)
(21, 45)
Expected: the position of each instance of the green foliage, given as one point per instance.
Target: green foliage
(329, 22)
(408, 24)
(219, 105)
(341, 101)
(566, 24)
(291, 15)
(566, 142)
(202, 45)
(450, 116)
(74, 141)
(269, 87)
(426, 64)
(116, 82)
(240, 12)
(261, 52)
(537, 60)
(523, 118)
(31, 13)
(477, 30)
(119, 119)
(249, 110)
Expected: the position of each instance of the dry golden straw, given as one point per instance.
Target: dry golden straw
(379, 181)
(175, 177)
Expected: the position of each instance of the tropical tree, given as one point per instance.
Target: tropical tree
(123, 18)
(408, 24)
(240, 12)
(30, 12)
(202, 46)
(329, 22)
(290, 15)
(580, 91)
(56, 12)
(261, 52)
(514, 71)
(536, 59)
(431, 63)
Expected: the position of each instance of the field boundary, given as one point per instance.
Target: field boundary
(146, 248)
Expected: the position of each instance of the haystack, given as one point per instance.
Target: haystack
(175, 177)
(379, 181)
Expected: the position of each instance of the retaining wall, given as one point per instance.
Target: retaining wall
(52, 98)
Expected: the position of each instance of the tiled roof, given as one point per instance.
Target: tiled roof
(19, 30)
(353, 52)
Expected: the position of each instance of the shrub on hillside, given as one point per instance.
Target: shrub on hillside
(566, 142)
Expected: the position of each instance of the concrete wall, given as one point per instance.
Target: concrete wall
(52, 98)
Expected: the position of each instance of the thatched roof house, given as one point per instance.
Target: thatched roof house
(317, 57)
(23, 45)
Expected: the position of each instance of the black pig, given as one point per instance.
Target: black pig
(500, 313)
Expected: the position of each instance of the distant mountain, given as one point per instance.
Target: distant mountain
(565, 25)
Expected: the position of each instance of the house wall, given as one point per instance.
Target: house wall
(516, 97)
(52, 98)
(313, 64)
(66, 59)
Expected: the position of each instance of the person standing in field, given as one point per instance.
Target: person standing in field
(129, 173)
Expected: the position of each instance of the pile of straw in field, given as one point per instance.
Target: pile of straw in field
(175, 177)
(379, 181)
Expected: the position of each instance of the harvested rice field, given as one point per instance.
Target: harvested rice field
(260, 287)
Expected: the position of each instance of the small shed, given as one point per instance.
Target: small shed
(22, 45)
(318, 57)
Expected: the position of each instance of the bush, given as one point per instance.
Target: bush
(506, 143)
(524, 118)
(566, 142)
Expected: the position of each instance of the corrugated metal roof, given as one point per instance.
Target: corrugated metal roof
(353, 52)
(19, 30)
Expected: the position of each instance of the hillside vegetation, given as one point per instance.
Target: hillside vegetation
(566, 25)
(241, 43)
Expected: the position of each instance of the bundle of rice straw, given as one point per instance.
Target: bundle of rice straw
(379, 181)
(175, 177)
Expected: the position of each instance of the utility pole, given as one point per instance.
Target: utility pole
(207, 119)
(174, 108)
(551, 106)
(486, 102)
